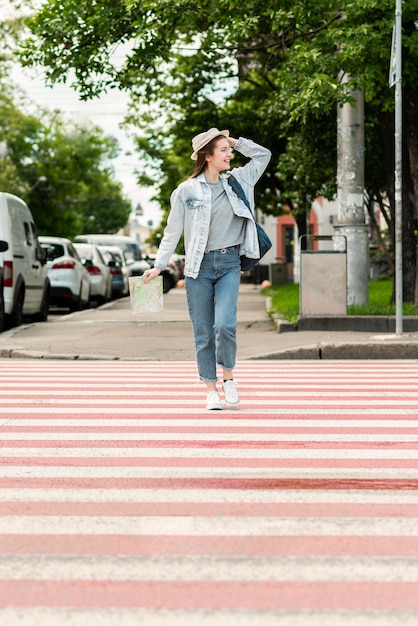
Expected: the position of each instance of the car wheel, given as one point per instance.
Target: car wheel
(167, 283)
(42, 316)
(76, 305)
(108, 295)
(17, 314)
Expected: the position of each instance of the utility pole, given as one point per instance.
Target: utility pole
(350, 184)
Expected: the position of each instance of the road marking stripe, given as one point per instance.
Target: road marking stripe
(226, 462)
(278, 424)
(197, 526)
(141, 401)
(210, 509)
(239, 438)
(47, 395)
(335, 545)
(204, 568)
(322, 595)
(201, 473)
(108, 494)
(294, 482)
(119, 455)
(197, 412)
(160, 617)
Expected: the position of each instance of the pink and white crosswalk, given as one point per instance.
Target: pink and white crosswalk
(123, 501)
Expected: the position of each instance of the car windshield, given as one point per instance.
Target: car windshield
(132, 252)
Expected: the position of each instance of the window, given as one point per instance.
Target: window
(28, 234)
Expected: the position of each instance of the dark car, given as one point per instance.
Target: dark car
(172, 273)
(3, 247)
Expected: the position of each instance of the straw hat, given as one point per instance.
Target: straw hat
(202, 139)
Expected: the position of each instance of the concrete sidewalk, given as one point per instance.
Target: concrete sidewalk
(113, 332)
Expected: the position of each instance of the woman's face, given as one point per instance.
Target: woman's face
(221, 157)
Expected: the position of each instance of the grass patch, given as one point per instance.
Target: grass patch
(285, 301)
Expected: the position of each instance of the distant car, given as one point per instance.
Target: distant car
(70, 281)
(98, 270)
(114, 258)
(131, 251)
(3, 247)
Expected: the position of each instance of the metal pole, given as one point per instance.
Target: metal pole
(398, 167)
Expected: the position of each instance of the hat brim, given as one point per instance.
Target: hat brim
(218, 133)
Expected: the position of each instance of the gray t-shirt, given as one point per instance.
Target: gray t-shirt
(226, 229)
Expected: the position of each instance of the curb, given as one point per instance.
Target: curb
(346, 351)
(359, 323)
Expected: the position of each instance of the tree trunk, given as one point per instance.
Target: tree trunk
(301, 220)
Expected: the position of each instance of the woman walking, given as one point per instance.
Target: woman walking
(218, 228)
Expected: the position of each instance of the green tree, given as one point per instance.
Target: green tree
(285, 57)
(61, 171)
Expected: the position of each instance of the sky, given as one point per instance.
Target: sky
(108, 113)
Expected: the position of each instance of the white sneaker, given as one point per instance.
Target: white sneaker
(230, 394)
(213, 401)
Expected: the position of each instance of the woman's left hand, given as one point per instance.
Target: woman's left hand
(151, 273)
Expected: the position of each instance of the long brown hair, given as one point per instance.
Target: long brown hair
(207, 150)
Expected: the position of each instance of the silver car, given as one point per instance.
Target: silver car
(99, 272)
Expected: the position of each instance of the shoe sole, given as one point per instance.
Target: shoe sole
(232, 406)
(214, 408)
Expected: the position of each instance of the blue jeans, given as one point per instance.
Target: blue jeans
(212, 301)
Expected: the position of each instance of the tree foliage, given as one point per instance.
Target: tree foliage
(269, 70)
(62, 170)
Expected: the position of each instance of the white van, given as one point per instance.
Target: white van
(26, 283)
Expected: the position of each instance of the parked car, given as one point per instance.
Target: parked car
(3, 247)
(70, 281)
(26, 283)
(131, 251)
(113, 255)
(99, 272)
(177, 263)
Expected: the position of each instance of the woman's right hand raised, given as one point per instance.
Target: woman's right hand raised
(151, 273)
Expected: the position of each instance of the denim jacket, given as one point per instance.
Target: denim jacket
(191, 210)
